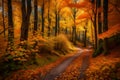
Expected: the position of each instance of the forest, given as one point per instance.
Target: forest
(59, 40)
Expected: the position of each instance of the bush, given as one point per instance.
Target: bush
(62, 44)
(23, 56)
(54, 45)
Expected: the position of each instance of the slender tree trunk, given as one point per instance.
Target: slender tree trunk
(105, 15)
(95, 30)
(99, 17)
(35, 15)
(56, 23)
(99, 22)
(23, 8)
(85, 38)
(3, 18)
(92, 34)
(95, 25)
(59, 22)
(105, 25)
(43, 18)
(29, 10)
(10, 26)
(49, 20)
(74, 27)
(26, 11)
(66, 30)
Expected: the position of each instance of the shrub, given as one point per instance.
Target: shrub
(62, 44)
(23, 56)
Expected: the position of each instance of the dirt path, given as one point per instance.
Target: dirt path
(84, 66)
(61, 68)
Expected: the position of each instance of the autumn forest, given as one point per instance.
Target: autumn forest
(59, 40)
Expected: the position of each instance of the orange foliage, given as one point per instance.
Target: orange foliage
(80, 4)
(84, 15)
(112, 31)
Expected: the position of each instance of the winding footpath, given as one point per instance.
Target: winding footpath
(61, 68)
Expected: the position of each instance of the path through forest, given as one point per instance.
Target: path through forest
(61, 68)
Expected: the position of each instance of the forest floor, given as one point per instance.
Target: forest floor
(74, 66)
(55, 70)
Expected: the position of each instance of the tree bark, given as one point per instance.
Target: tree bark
(59, 22)
(99, 17)
(85, 38)
(95, 25)
(43, 5)
(56, 23)
(49, 20)
(26, 11)
(10, 26)
(3, 18)
(105, 25)
(35, 15)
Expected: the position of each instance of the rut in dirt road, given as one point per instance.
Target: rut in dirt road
(84, 66)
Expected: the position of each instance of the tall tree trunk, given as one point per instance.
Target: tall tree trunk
(43, 18)
(105, 15)
(95, 25)
(74, 27)
(59, 22)
(35, 15)
(85, 37)
(105, 24)
(56, 23)
(99, 22)
(99, 17)
(10, 26)
(49, 20)
(3, 17)
(23, 8)
(26, 11)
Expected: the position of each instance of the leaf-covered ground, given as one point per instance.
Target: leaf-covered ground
(100, 68)
(37, 73)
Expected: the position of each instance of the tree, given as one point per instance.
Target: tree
(105, 24)
(35, 15)
(26, 11)
(43, 6)
(3, 17)
(56, 18)
(85, 34)
(10, 26)
(49, 20)
(94, 12)
(58, 6)
(99, 17)
(74, 16)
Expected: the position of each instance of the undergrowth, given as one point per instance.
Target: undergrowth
(38, 52)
